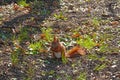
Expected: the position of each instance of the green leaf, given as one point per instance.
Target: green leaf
(86, 42)
(82, 76)
(47, 32)
(23, 3)
(36, 45)
(100, 67)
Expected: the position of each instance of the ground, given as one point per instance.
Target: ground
(26, 34)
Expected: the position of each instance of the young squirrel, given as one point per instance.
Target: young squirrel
(59, 50)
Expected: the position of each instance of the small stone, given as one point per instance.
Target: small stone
(114, 66)
(44, 65)
(50, 76)
(75, 71)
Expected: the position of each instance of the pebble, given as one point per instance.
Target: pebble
(114, 66)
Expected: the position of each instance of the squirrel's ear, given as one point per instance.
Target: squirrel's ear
(56, 39)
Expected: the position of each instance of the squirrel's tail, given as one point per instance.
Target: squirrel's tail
(77, 50)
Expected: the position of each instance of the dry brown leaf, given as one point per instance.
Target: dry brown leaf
(43, 36)
(97, 45)
(114, 23)
(16, 7)
(26, 9)
(1, 9)
(76, 35)
(43, 51)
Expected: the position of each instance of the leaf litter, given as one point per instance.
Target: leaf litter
(100, 62)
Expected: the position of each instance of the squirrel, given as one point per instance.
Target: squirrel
(59, 50)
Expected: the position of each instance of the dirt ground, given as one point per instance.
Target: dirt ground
(75, 14)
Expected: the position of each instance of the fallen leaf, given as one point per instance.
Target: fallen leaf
(97, 45)
(43, 51)
(1, 9)
(76, 35)
(43, 36)
(114, 23)
(16, 7)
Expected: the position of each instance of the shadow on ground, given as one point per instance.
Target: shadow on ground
(40, 10)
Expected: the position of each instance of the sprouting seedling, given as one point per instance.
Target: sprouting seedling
(14, 58)
(95, 22)
(64, 59)
(86, 42)
(23, 3)
(60, 16)
(93, 57)
(23, 35)
(48, 33)
(100, 67)
(30, 71)
(17, 54)
(103, 48)
(82, 76)
(35, 47)
(87, 0)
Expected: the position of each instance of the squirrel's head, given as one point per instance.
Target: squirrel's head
(56, 39)
(55, 43)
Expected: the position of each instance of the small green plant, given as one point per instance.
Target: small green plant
(95, 22)
(82, 76)
(60, 16)
(23, 3)
(23, 35)
(51, 72)
(103, 48)
(38, 4)
(58, 77)
(17, 54)
(44, 12)
(64, 59)
(86, 42)
(36, 47)
(30, 71)
(87, 0)
(14, 58)
(102, 59)
(43, 73)
(48, 33)
(100, 67)
(92, 57)
(68, 77)
(96, 57)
